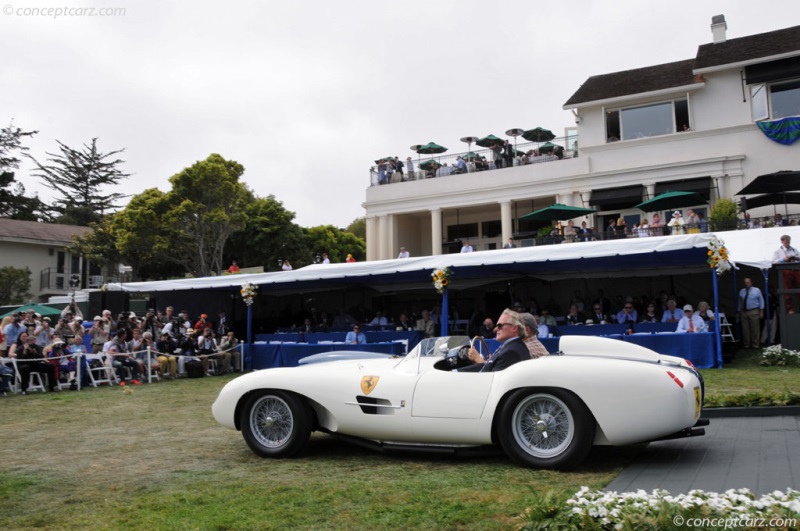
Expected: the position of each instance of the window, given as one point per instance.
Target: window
(783, 99)
(758, 102)
(491, 229)
(464, 231)
(644, 121)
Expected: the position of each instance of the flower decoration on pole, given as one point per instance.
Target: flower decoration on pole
(441, 278)
(248, 292)
(718, 256)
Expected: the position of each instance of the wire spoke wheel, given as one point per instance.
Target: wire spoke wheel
(271, 421)
(543, 425)
(276, 423)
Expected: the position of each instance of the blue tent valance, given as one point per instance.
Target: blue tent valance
(783, 131)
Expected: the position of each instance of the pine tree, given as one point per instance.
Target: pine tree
(78, 176)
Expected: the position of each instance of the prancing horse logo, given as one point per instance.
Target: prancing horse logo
(368, 383)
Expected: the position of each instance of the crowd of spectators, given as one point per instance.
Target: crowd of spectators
(128, 345)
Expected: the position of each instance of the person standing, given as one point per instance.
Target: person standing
(751, 309)
(466, 248)
(403, 253)
(508, 154)
(791, 277)
(509, 244)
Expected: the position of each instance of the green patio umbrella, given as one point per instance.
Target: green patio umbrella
(538, 134)
(548, 147)
(490, 141)
(672, 200)
(44, 311)
(469, 156)
(431, 148)
(557, 211)
(428, 164)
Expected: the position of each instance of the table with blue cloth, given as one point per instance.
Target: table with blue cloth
(411, 337)
(612, 329)
(268, 355)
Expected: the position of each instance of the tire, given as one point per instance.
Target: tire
(276, 424)
(546, 428)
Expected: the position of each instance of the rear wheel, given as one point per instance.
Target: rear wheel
(549, 428)
(276, 424)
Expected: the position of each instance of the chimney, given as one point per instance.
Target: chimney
(718, 27)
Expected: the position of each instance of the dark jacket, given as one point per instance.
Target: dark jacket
(511, 352)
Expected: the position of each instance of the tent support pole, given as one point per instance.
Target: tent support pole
(767, 305)
(717, 331)
(445, 314)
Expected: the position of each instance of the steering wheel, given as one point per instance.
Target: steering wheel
(481, 348)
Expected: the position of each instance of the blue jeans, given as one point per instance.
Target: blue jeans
(6, 376)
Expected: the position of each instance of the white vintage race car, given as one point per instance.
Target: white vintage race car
(545, 412)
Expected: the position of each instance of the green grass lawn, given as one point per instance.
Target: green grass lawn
(156, 459)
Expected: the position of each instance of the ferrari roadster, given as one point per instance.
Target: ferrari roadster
(545, 412)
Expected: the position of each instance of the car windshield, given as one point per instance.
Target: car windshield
(434, 346)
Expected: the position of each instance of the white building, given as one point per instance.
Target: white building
(631, 145)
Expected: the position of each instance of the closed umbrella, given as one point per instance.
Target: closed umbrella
(558, 211)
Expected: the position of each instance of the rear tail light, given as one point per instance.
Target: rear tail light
(675, 379)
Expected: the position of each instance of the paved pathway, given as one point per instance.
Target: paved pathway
(761, 453)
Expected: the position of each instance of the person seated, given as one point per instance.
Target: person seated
(166, 346)
(510, 332)
(378, 320)
(690, 322)
(627, 314)
(356, 337)
(121, 358)
(546, 319)
(147, 346)
(426, 324)
(650, 315)
(486, 330)
(403, 324)
(574, 317)
(535, 347)
(597, 316)
(704, 312)
(229, 344)
(461, 165)
(671, 314)
(208, 348)
(30, 358)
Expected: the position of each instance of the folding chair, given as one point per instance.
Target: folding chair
(37, 382)
(103, 374)
(725, 328)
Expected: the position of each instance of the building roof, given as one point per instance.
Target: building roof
(14, 229)
(742, 49)
(778, 43)
(637, 81)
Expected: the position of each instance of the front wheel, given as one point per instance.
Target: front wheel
(276, 424)
(549, 428)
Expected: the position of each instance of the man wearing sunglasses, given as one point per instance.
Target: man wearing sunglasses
(510, 331)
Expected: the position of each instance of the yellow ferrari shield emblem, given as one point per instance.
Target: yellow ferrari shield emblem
(368, 383)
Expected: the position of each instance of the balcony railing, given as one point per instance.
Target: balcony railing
(479, 159)
(64, 280)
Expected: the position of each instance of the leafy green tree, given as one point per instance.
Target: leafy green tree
(207, 206)
(338, 243)
(78, 176)
(15, 285)
(268, 234)
(359, 227)
(724, 215)
(13, 202)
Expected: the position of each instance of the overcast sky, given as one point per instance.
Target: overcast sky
(306, 94)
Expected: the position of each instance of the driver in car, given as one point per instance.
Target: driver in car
(510, 331)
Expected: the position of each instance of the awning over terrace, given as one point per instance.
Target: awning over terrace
(662, 255)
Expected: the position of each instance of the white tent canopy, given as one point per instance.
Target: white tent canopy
(625, 257)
